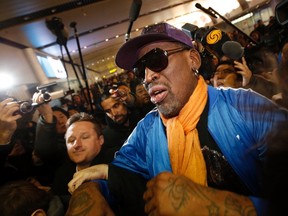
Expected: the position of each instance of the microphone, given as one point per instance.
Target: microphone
(233, 50)
(135, 10)
(134, 13)
(207, 11)
(73, 24)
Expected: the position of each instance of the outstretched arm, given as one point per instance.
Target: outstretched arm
(99, 171)
(169, 194)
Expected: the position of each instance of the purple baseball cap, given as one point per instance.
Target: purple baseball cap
(128, 53)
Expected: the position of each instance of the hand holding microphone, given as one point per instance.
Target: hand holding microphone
(234, 51)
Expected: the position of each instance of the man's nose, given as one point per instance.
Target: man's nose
(114, 112)
(150, 75)
(77, 143)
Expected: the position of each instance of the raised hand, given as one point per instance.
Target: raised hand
(8, 117)
(244, 70)
(44, 109)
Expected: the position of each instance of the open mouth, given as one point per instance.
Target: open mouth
(158, 94)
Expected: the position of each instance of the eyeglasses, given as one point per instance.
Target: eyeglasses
(156, 60)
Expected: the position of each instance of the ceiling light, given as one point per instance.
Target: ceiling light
(113, 70)
(6, 80)
(242, 18)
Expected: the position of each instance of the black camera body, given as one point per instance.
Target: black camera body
(27, 106)
(210, 37)
(281, 13)
(56, 26)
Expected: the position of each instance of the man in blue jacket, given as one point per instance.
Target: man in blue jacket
(201, 151)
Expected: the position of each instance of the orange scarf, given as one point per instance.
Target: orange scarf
(186, 157)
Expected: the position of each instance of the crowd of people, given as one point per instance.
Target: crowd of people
(159, 139)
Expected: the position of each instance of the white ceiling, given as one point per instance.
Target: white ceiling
(97, 21)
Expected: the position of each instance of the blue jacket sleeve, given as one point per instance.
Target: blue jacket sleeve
(105, 191)
(261, 205)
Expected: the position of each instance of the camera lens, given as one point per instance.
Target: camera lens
(46, 97)
(26, 107)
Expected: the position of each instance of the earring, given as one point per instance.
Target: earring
(196, 73)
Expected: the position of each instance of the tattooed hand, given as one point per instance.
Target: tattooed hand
(169, 194)
(88, 200)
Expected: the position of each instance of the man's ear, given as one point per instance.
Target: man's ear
(101, 138)
(39, 212)
(196, 59)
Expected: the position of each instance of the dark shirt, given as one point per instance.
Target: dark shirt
(262, 86)
(128, 187)
(52, 150)
(116, 134)
(220, 174)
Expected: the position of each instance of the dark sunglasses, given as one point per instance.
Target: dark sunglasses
(156, 60)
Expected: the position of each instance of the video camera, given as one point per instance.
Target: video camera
(282, 19)
(212, 40)
(56, 26)
(27, 106)
(281, 13)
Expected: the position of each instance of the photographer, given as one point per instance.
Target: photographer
(8, 119)
(66, 145)
(236, 74)
(8, 126)
(17, 143)
(49, 140)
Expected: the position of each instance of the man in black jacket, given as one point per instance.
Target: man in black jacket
(120, 119)
(67, 145)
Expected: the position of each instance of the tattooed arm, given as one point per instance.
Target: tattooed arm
(169, 194)
(88, 200)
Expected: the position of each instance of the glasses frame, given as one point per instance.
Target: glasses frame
(141, 64)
